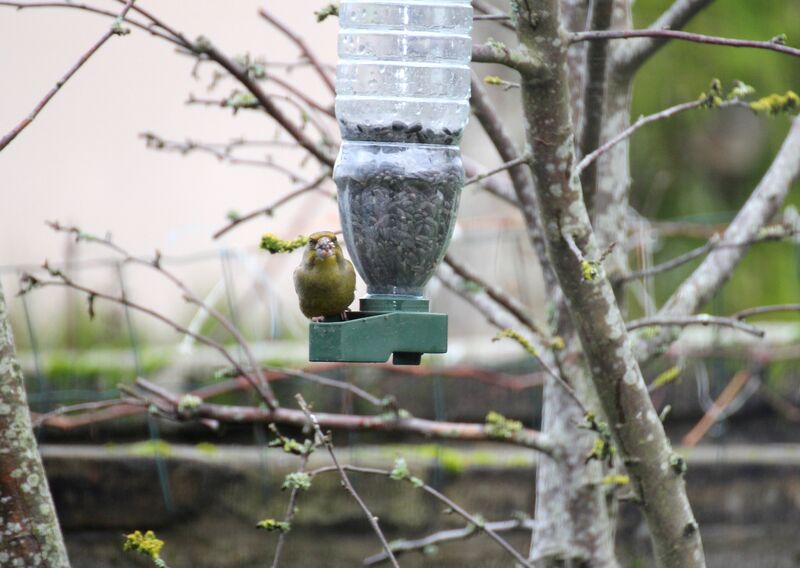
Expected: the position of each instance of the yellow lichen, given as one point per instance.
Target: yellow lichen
(666, 377)
(146, 544)
(498, 426)
(777, 104)
(588, 270)
(519, 338)
(270, 242)
(616, 479)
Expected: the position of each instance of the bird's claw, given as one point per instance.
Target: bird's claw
(318, 319)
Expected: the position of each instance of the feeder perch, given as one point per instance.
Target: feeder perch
(402, 102)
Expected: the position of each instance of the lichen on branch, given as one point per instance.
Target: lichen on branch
(273, 244)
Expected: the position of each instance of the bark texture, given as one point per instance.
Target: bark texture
(656, 472)
(572, 525)
(30, 536)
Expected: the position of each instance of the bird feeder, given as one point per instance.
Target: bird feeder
(402, 102)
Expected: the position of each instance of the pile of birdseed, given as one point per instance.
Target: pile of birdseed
(400, 220)
(399, 131)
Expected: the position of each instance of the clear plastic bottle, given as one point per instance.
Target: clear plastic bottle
(402, 102)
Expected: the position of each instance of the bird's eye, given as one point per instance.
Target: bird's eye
(312, 242)
(334, 239)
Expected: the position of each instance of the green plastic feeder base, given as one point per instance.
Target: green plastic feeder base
(385, 326)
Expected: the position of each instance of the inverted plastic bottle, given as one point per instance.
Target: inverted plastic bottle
(402, 102)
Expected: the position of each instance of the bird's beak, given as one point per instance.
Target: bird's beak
(325, 248)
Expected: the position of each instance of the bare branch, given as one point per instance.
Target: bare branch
(636, 52)
(205, 47)
(115, 29)
(269, 210)
(307, 115)
(460, 511)
(498, 314)
(61, 279)
(685, 36)
(588, 159)
(714, 271)
(501, 168)
(725, 398)
(290, 509)
(155, 142)
(402, 546)
(500, 54)
(699, 319)
(490, 120)
(508, 302)
(490, 17)
(714, 243)
(286, 85)
(498, 187)
(93, 10)
(670, 264)
(325, 441)
(399, 421)
(751, 312)
(490, 12)
(299, 42)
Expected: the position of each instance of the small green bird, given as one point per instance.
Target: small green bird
(325, 281)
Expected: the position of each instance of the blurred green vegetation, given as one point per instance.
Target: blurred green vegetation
(702, 165)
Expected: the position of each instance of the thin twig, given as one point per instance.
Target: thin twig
(496, 185)
(269, 209)
(488, 10)
(770, 234)
(93, 10)
(628, 132)
(290, 511)
(155, 142)
(626, 61)
(260, 383)
(115, 29)
(262, 387)
(83, 407)
(501, 168)
(325, 440)
(299, 42)
(687, 36)
(670, 264)
(460, 511)
(725, 398)
(500, 296)
(699, 319)
(202, 48)
(206, 48)
(309, 114)
(402, 546)
(489, 17)
(750, 312)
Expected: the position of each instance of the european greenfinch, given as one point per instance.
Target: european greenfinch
(325, 281)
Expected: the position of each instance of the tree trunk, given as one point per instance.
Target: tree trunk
(29, 532)
(656, 472)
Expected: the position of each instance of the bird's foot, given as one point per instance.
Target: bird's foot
(343, 315)
(318, 319)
